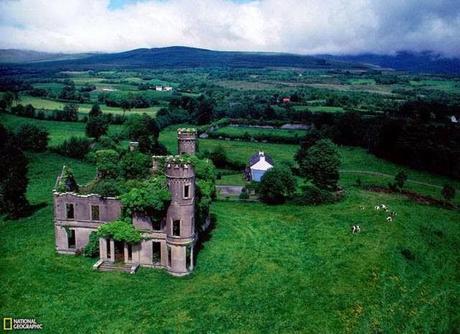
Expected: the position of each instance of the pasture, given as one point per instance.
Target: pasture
(264, 268)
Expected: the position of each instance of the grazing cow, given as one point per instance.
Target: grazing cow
(389, 219)
(377, 207)
(383, 206)
(355, 229)
(393, 214)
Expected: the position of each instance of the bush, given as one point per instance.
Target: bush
(74, 147)
(277, 185)
(106, 188)
(219, 156)
(448, 192)
(399, 181)
(107, 164)
(314, 195)
(33, 137)
(92, 248)
(244, 195)
(13, 176)
(151, 198)
(135, 165)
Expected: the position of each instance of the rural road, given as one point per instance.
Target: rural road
(229, 190)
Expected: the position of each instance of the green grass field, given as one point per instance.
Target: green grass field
(58, 131)
(84, 108)
(264, 269)
(319, 108)
(239, 131)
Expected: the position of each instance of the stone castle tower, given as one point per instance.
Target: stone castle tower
(186, 141)
(180, 218)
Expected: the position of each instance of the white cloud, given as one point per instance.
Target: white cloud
(308, 26)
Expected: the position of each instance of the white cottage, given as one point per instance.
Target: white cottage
(259, 163)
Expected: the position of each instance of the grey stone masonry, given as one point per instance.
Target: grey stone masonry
(186, 141)
(76, 216)
(167, 243)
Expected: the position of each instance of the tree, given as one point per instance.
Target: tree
(308, 141)
(125, 105)
(321, 165)
(71, 112)
(33, 137)
(277, 185)
(96, 126)
(205, 112)
(448, 192)
(13, 178)
(95, 110)
(145, 130)
(219, 156)
(135, 165)
(141, 125)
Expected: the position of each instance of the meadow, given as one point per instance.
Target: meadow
(83, 108)
(264, 268)
(253, 131)
(287, 268)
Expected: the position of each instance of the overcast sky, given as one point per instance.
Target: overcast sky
(299, 26)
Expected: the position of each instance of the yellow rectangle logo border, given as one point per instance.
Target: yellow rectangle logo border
(10, 327)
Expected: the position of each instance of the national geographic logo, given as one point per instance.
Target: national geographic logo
(10, 324)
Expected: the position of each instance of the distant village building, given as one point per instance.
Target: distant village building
(286, 99)
(168, 243)
(258, 164)
(163, 88)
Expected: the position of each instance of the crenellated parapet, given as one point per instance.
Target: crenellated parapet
(186, 141)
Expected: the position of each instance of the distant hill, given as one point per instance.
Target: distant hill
(185, 57)
(423, 62)
(14, 56)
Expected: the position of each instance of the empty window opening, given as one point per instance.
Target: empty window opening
(69, 211)
(71, 238)
(156, 252)
(108, 248)
(186, 191)
(176, 228)
(94, 212)
(130, 252)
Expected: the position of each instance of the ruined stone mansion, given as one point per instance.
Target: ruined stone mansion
(166, 244)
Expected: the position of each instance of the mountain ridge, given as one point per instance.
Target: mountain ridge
(182, 56)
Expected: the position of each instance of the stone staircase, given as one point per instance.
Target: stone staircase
(130, 268)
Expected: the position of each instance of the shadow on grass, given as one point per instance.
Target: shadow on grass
(26, 212)
(204, 237)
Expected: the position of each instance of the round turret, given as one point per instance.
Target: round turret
(186, 141)
(180, 218)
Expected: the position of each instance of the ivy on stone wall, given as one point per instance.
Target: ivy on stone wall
(120, 230)
(150, 197)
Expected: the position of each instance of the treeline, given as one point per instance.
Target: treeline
(405, 136)
(69, 113)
